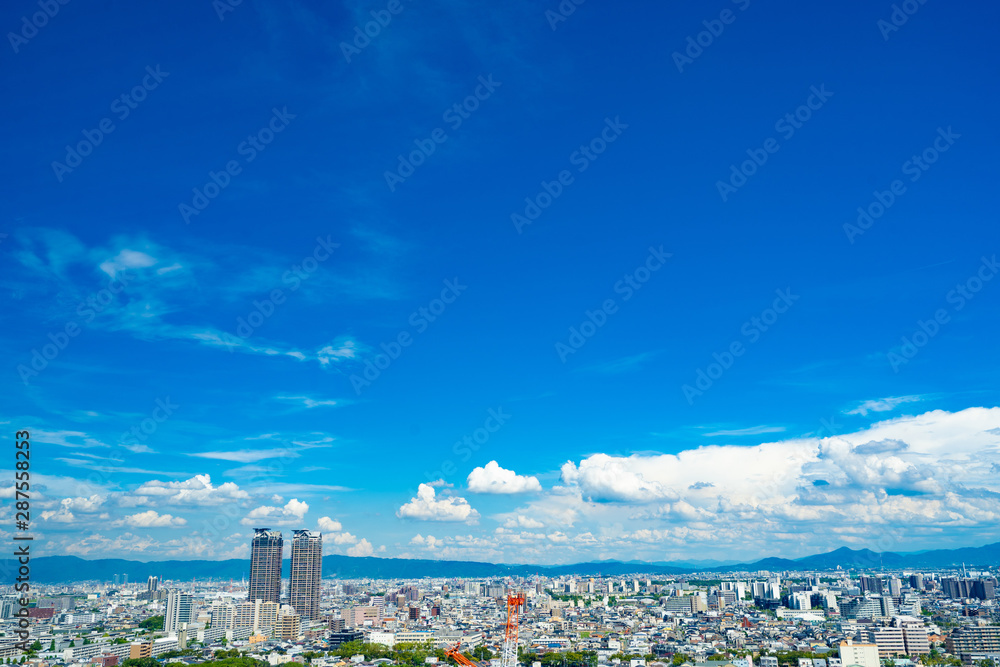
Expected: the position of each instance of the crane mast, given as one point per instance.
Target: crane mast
(508, 657)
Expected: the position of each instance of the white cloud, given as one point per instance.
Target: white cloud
(328, 525)
(197, 490)
(62, 515)
(127, 259)
(341, 349)
(77, 439)
(333, 532)
(882, 405)
(291, 514)
(247, 455)
(427, 507)
(606, 478)
(430, 542)
(494, 479)
(308, 403)
(521, 521)
(151, 519)
(916, 474)
(362, 548)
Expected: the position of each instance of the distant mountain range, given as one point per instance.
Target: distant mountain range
(56, 569)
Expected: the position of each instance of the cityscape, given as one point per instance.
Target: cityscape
(821, 618)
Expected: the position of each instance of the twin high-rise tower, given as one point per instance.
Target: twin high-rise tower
(307, 563)
(265, 569)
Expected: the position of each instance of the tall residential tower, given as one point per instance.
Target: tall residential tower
(265, 565)
(307, 562)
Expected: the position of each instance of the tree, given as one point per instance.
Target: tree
(52, 646)
(679, 659)
(152, 623)
(482, 653)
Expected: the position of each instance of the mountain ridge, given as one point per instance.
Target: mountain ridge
(54, 569)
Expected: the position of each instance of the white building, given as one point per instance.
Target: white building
(859, 655)
(179, 611)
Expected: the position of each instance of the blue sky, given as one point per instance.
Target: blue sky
(610, 344)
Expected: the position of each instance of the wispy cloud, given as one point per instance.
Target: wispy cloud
(247, 455)
(882, 404)
(309, 403)
(623, 365)
(77, 439)
(752, 430)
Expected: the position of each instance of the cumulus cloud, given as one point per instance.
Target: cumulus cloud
(606, 478)
(521, 521)
(197, 490)
(333, 532)
(426, 506)
(362, 548)
(151, 519)
(328, 525)
(494, 479)
(62, 515)
(291, 514)
(930, 472)
(430, 542)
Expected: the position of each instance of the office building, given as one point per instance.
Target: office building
(307, 564)
(265, 566)
(179, 611)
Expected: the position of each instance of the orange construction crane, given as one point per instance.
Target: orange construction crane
(508, 655)
(453, 652)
